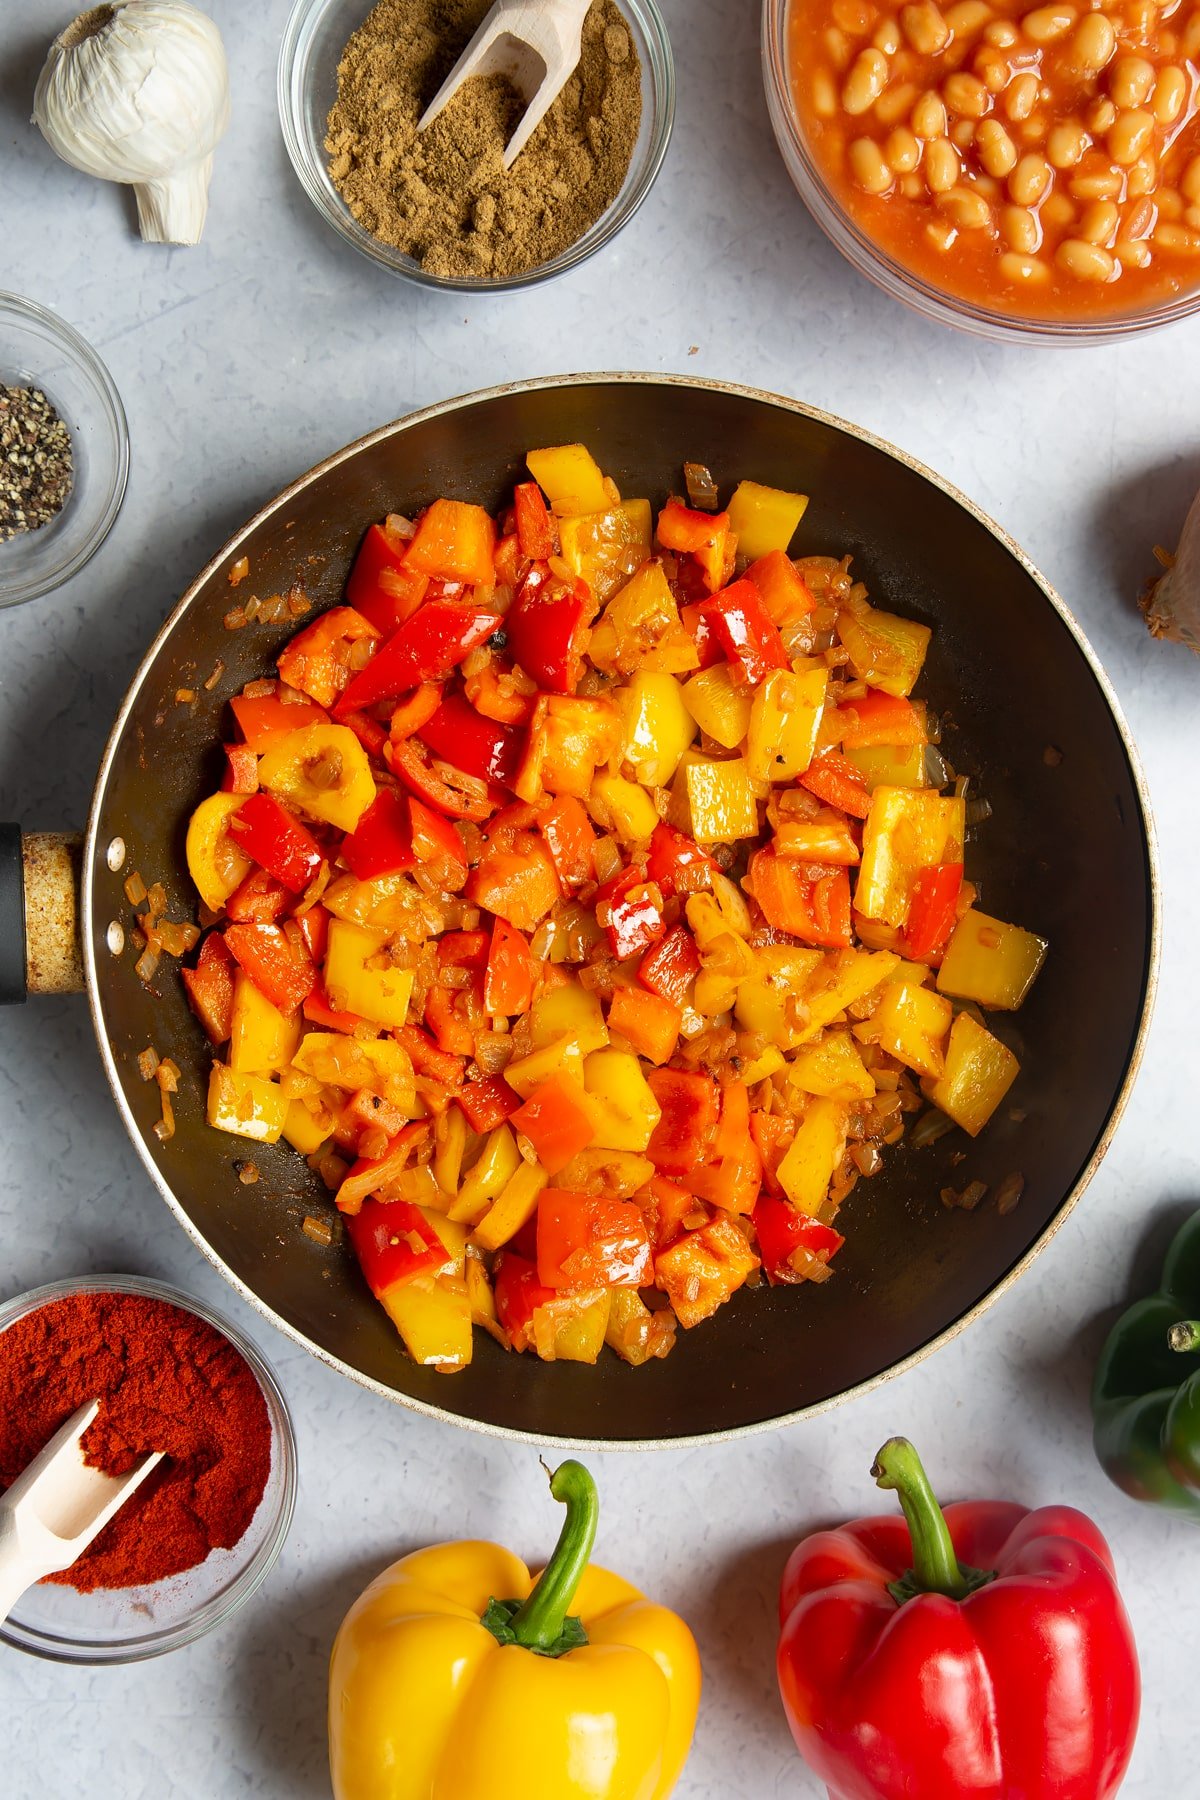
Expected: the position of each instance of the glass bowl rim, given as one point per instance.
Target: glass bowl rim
(86, 360)
(222, 1606)
(302, 154)
(892, 276)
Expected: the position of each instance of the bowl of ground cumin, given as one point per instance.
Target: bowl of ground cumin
(64, 451)
(438, 207)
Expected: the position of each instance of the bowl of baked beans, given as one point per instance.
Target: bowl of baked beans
(1005, 168)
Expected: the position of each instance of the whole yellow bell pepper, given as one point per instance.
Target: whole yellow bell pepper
(456, 1676)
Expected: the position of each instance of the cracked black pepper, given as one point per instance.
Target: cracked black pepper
(443, 196)
(36, 465)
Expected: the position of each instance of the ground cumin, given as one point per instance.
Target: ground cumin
(443, 196)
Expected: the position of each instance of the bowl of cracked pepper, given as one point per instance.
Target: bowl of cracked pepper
(438, 207)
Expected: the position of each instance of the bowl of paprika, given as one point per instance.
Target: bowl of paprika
(204, 1531)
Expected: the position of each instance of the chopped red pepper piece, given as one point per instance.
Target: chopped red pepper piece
(700, 534)
(280, 971)
(743, 628)
(804, 899)
(535, 527)
(877, 718)
(782, 1230)
(265, 718)
(317, 1011)
(480, 746)
(932, 911)
(455, 540)
(317, 659)
(570, 841)
(488, 1102)
(545, 627)
(428, 1059)
(314, 929)
(836, 779)
(382, 841)
(668, 1207)
(277, 841)
(630, 909)
(591, 1240)
(415, 710)
(380, 587)
(210, 987)
(783, 590)
(507, 560)
(732, 1176)
(508, 978)
(464, 950)
(555, 1124)
(241, 773)
(394, 1242)
(446, 1017)
(369, 732)
(699, 629)
(258, 900)
(519, 1294)
(683, 1136)
(434, 839)
(449, 790)
(427, 647)
(671, 966)
(676, 863)
(517, 885)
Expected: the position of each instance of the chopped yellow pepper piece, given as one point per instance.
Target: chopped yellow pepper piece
(658, 727)
(433, 1316)
(622, 807)
(911, 1023)
(263, 1040)
(380, 1064)
(884, 649)
(618, 1101)
(890, 765)
(979, 1072)
(764, 518)
(354, 985)
(718, 705)
(784, 720)
(991, 962)
(216, 863)
(816, 1150)
(606, 547)
(641, 629)
(246, 1105)
(515, 1204)
(771, 1002)
(324, 771)
(561, 1056)
(844, 977)
(495, 1166)
(570, 1011)
(833, 1069)
(906, 830)
(720, 800)
(571, 479)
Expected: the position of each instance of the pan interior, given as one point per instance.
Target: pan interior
(1064, 853)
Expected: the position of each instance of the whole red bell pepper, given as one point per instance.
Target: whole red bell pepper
(480, 746)
(277, 841)
(745, 631)
(980, 1653)
(426, 648)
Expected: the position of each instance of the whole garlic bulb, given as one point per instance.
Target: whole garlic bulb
(138, 91)
(1172, 603)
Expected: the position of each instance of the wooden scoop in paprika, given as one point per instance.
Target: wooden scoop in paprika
(56, 1506)
(536, 44)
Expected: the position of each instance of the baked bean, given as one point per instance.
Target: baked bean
(912, 187)
(941, 234)
(1098, 222)
(997, 152)
(865, 82)
(1086, 262)
(1066, 143)
(1170, 92)
(1020, 228)
(887, 37)
(854, 16)
(1131, 81)
(1101, 116)
(1129, 136)
(965, 96)
(1141, 19)
(1177, 237)
(1095, 182)
(969, 211)
(824, 95)
(1023, 269)
(868, 167)
(838, 47)
(1046, 24)
(1189, 43)
(941, 165)
(1058, 211)
(968, 17)
(1021, 97)
(1029, 180)
(1139, 220)
(929, 116)
(1192, 216)
(895, 103)
(924, 27)
(1093, 43)
(1001, 34)
(1189, 187)
(1170, 203)
(1131, 254)
(962, 134)
(1032, 131)
(991, 190)
(902, 150)
(993, 70)
(1143, 176)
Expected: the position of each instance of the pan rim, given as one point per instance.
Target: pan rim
(1070, 1200)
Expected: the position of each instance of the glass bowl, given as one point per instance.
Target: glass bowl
(38, 349)
(122, 1625)
(313, 41)
(902, 283)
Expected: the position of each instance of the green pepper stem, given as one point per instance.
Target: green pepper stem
(538, 1622)
(935, 1567)
(1185, 1335)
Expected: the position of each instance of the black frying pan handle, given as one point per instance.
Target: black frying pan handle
(13, 985)
(40, 873)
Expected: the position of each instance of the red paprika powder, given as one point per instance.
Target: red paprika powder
(166, 1381)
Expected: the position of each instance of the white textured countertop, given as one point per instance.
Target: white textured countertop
(241, 363)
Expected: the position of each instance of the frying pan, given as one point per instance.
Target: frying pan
(1067, 852)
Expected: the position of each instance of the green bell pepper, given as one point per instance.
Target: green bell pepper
(1146, 1395)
